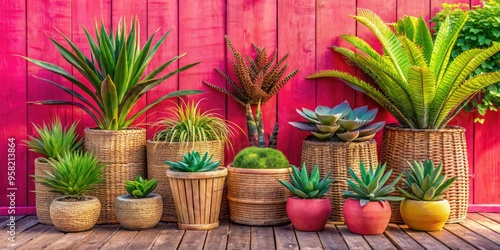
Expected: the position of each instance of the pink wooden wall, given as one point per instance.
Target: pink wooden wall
(304, 28)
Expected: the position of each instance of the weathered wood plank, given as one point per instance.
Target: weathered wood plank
(239, 237)
(26, 236)
(485, 221)
(285, 237)
(423, 238)
(379, 241)
(4, 223)
(450, 240)
(308, 240)
(482, 230)
(473, 238)
(353, 241)
(170, 237)
(43, 240)
(262, 238)
(331, 238)
(400, 238)
(217, 238)
(193, 240)
(120, 239)
(70, 240)
(146, 238)
(492, 216)
(98, 237)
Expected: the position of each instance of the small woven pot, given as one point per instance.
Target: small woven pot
(446, 146)
(74, 215)
(336, 157)
(43, 196)
(139, 213)
(197, 197)
(256, 197)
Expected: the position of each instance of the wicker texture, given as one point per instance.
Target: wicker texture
(446, 146)
(256, 197)
(197, 197)
(75, 216)
(336, 157)
(139, 213)
(43, 196)
(159, 152)
(124, 153)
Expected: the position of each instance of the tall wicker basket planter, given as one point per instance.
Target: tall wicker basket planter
(43, 197)
(197, 197)
(336, 157)
(158, 152)
(446, 146)
(256, 197)
(124, 153)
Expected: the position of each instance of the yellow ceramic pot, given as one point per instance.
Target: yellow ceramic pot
(425, 215)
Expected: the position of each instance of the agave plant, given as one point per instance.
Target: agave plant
(369, 186)
(140, 188)
(308, 186)
(115, 72)
(416, 79)
(193, 162)
(345, 123)
(426, 182)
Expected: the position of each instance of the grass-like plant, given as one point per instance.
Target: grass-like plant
(53, 140)
(74, 174)
(193, 162)
(140, 188)
(116, 73)
(307, 186)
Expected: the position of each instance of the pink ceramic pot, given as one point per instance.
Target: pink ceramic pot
(308, 214)
(373, 218)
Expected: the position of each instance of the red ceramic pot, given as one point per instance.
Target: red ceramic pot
(308, 214)
(373, 218)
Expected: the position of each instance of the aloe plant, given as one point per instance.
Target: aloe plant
(193, 162)
(308, 186)
(426, 182)
(116, 73)
(417, 82)
(140, 188)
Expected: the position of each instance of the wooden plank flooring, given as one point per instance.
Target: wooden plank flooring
(478, 231)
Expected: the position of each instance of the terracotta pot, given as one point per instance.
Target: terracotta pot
(74, 215)
(139, 213)
(373, 218)
(308, 214)
(425, 215)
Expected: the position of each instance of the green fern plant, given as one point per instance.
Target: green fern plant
(140, 188)
(305, 185)
(193, 162)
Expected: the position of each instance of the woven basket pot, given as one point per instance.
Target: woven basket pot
(446, 146)
(256, 197)
(158, 152)
(336, 157)
(74, 216)
(43, 196)
(124, 154)
(139, 213)
(197, 197)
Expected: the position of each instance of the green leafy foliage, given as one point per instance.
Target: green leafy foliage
(53, 140)
(260, 158)
(116, 73)
(74, 174)
(425, 181)
(340, 123)
(480, 31)
(369, 186)
(140, 188)
(193, 162)
(307, 186)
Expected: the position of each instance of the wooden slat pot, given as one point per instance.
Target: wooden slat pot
(256, 197)
(43, 196)
(197, 197)
(158, 152)
(447, 146)
(336, 157)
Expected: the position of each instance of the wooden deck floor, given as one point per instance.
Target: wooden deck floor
(478, 231)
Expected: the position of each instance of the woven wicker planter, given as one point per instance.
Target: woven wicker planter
(336, 157)
(159, 152)
(256, 197)
(447, 146)
(124, 153)
(74, 216)
(43, 197)
(197, 197)
(139, 213)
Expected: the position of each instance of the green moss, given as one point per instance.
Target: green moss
(260, 158)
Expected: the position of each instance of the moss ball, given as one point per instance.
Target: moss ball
(260, 158)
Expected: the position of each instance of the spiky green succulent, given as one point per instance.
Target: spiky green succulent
(140, 188)
(369, 186)
(193, 162)
(307, 186)
(426, 183)
(341, 121)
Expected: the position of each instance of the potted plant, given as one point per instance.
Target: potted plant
(52, 141)
(187, 129)
(140, 208)
(308, 209)
(75, 174)
(197, 184)
(116, 73)
(367, 209)
(425, 207)
(341, 137)
(419, 84)
(255, 197)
